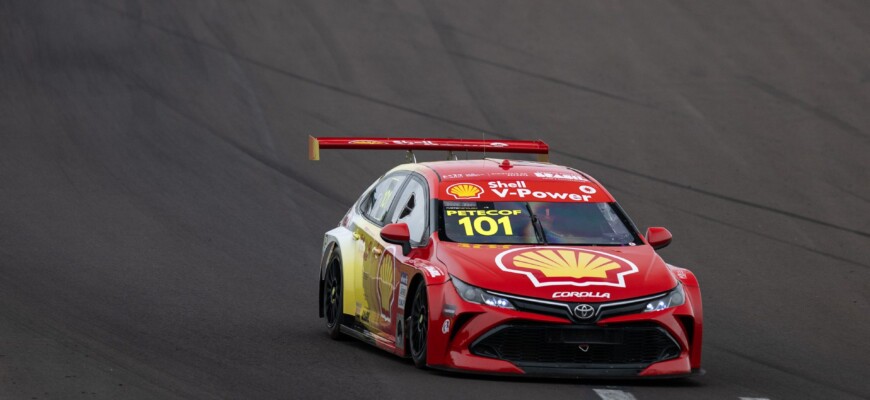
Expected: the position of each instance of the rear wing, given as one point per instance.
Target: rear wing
(410, 144)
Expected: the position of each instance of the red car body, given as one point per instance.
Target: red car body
(574, 311)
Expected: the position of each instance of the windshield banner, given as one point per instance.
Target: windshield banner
(524, 190)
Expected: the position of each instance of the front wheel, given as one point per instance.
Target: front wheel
(418, 327)
(332, 298)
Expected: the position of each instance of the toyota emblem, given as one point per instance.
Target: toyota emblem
(584, 311)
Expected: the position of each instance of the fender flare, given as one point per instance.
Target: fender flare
(339, 238)
(684, 275)
(693, 294)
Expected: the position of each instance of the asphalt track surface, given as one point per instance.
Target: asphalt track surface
(160, 224)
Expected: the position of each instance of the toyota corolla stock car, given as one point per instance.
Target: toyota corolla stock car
(506, 267)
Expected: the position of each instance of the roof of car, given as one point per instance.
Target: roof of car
(491, 168)
(503, 180)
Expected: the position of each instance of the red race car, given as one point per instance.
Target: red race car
(505, 267)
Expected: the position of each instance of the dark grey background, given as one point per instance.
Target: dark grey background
(160, 224)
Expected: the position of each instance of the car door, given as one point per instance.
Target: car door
(412, 208)
(376, 264)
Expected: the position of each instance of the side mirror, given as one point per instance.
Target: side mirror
(398, 234)
(658, 237)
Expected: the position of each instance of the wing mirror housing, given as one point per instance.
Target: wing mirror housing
(398, 234)
(658, 237)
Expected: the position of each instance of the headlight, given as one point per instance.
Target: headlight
(477, 295)
(674, 298)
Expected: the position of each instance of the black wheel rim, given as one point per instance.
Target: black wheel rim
(419, 323)
(332, 295)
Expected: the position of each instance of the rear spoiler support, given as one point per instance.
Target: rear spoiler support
(410, 144)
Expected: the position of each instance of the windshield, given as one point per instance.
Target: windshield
(586, 224)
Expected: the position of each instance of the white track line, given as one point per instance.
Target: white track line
(608, 394)
(753, 398)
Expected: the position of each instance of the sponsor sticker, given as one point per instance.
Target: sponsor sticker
(554, 266)
(519, 189)
(561, 177)
(511, 185)
(366, 142)
(445, 327)
(466, 175)
(462, 191)
(416, 142)
(433, 272)
(507, 174)
(449, 310)
(480, 213)
(403, 290)
(461, 205)
(527, 194)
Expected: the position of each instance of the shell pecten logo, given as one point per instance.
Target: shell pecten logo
(464, 191)
(554, 266)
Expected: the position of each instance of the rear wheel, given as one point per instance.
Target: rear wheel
(332, 298)
(418, 327)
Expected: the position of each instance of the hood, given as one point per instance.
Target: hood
(561, 273)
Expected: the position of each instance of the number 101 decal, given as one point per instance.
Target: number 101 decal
(486, 226)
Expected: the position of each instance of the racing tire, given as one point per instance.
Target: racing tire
(332, 298)
(418, 327)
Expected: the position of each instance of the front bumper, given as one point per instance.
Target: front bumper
(476, 338)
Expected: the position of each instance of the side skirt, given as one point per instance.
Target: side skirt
(368, 337)
(358, 335)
